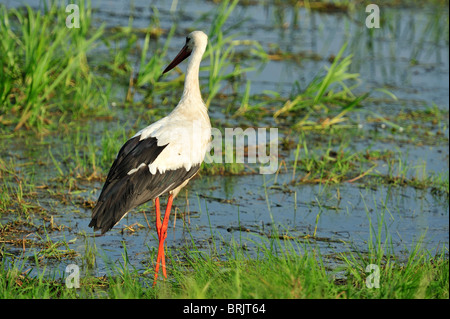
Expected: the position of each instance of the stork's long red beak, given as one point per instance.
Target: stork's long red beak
(182, 55)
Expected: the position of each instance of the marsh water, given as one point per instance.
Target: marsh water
(409, 55)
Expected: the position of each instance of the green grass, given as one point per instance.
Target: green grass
(282, 269)
(47, 77)
(44, 65)
(57, 82)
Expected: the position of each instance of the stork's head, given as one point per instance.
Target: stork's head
(196, 41)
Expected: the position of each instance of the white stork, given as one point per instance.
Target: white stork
(162, 157)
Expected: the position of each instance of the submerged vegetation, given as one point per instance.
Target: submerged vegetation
(70, 97)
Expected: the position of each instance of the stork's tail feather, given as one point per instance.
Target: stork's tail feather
(101, 220)
(112, 206)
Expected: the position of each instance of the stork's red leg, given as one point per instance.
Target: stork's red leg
(158, 231)
(165, 225)
(162, 235)
(158, 216)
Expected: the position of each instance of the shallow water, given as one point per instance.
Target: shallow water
(410, 57)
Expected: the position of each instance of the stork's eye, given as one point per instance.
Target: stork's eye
(187, 40)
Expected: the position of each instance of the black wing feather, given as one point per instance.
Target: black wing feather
(123, 192)
(133, 153)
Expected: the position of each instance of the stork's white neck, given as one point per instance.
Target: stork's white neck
(191, 81)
